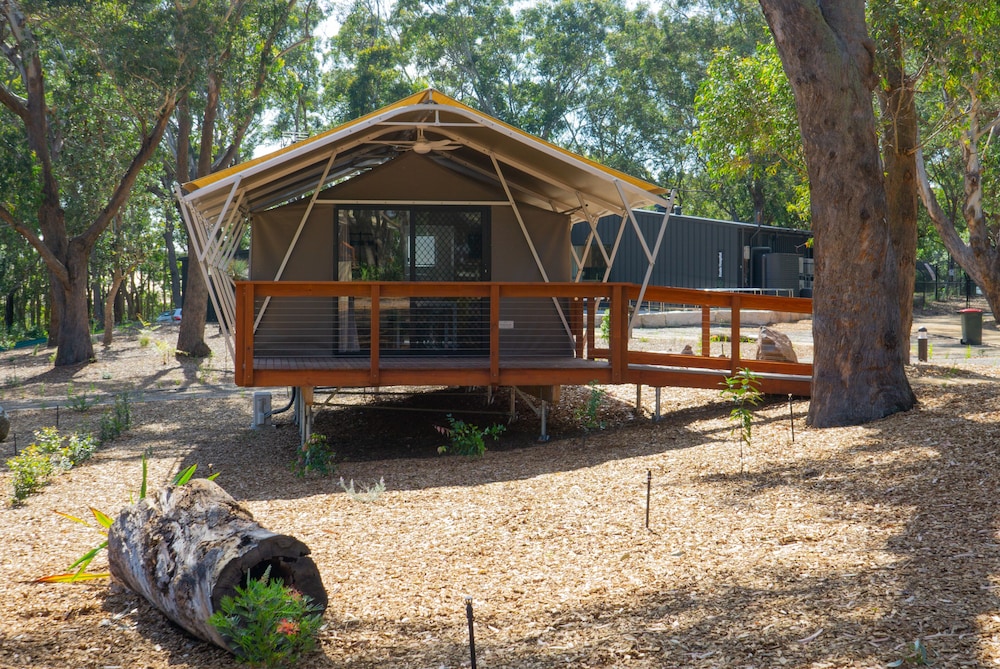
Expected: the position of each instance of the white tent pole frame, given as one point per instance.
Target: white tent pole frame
(228, 297)
(305, 217)
(222, 214)
(197, 226)
(276, 176)
(594, 234)
(295, 237)
(520, 220)
(650, 255)
(527, 238)
(522, 189)
(220, 244)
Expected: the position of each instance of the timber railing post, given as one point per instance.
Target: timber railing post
(706, 330)
(734, 333)
(591, 325)
(618, 345)
(375, 344)
(245, 295)
(576, 323)
(494, 333)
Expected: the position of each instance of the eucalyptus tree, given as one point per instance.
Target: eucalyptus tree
(131, 239)
(748, 134)
(242, 49)
(367, 63)
(57, 57)
(472, 49)
(858, 367)
(960, 106)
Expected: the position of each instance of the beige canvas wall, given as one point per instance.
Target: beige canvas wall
(531, 327)
(293, 327)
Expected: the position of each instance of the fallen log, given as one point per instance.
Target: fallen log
(186, 547)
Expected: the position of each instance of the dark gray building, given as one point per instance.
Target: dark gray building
(703, 253)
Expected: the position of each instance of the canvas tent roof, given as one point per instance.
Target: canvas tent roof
(535, 171)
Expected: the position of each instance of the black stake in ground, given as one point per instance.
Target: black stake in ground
(791, 417)
(649, 490)
(472, 635)
(15, 444)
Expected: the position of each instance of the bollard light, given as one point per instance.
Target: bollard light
(922, 344)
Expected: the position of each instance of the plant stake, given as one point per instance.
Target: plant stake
(649, 489)
(791, 417)
(472, 635)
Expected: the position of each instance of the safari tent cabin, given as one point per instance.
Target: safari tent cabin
(429, 244)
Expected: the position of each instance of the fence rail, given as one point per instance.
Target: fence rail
(456, 333)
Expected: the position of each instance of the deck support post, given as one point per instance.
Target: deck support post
(638, 399)
(544, 413)
(656, 413)
(304, 413)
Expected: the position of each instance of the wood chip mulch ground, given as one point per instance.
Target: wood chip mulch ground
(835, 548)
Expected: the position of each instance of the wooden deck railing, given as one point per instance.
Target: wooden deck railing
(517, 334)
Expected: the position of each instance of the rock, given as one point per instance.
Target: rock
(4, 424)
(774, 345)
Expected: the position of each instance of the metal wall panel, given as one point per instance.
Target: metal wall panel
(695, 252)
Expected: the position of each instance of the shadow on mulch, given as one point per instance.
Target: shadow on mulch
(394, 425)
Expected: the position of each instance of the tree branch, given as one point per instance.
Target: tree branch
(123, 190)
(944, 225)
(51, 261)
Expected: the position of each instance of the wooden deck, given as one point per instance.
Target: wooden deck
(511, 327)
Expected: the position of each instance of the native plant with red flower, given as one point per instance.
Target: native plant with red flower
(268, 624)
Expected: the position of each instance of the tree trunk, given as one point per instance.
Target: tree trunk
(109, 306)
(75, 345)
(8, 309)
(899, 140)
(191, 337)
(858, 371)
(186, 547)
(175, 278)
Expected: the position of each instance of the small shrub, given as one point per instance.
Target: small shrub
(587, 414)
(145, 336)
(466, 438)
(743, 389)
(369, 494)
(316, 455)
(65, 452)
(79, 401)
(30, 471)
(116, 420)
(268, 624)
(49, 452)
(165, 350)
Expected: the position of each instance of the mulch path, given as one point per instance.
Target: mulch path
(838, 548)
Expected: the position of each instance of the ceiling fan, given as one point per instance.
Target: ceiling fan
(422, 145)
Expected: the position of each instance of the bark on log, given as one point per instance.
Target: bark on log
(186, 547)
